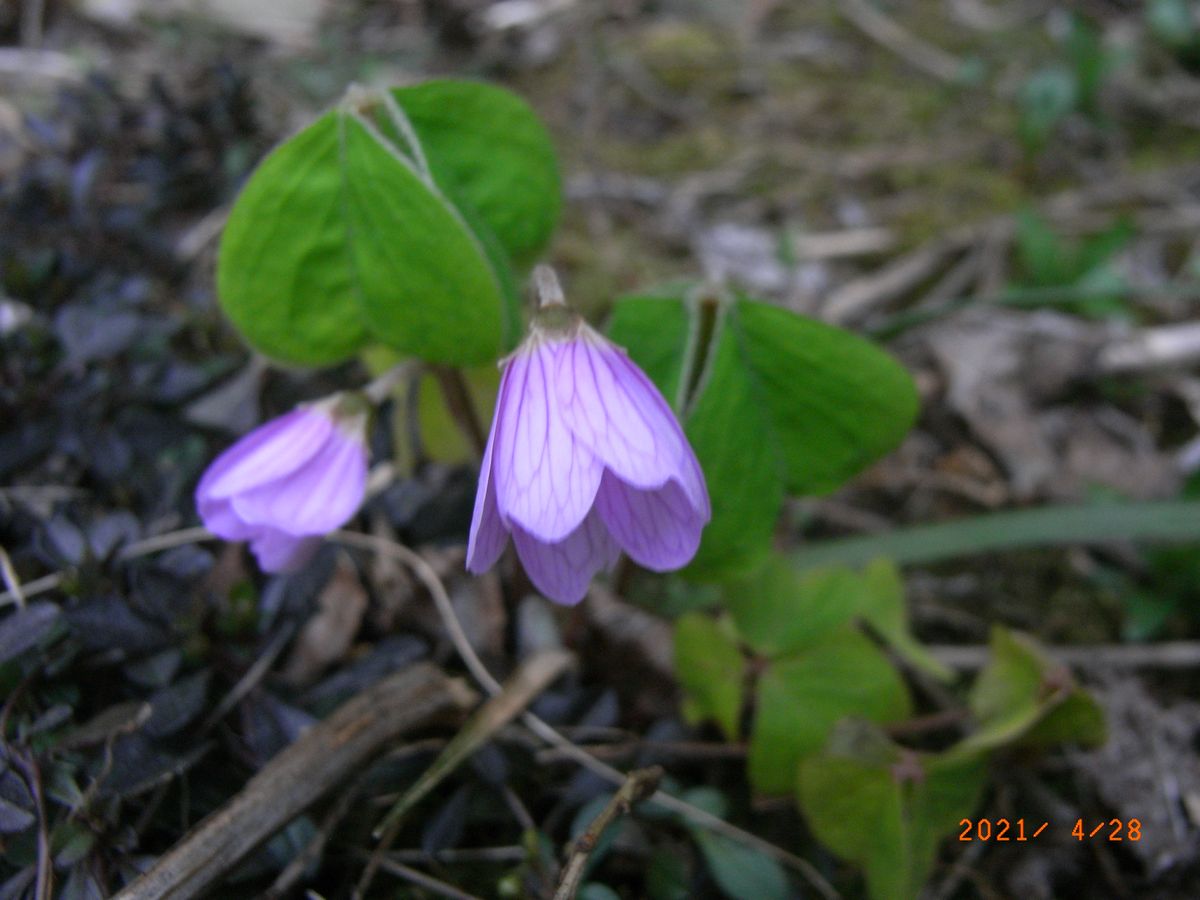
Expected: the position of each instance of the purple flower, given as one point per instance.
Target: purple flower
(288, 482)
(585, 459)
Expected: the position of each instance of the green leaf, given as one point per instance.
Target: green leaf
(782, 404)
(886, 808)
(885, 611)
(711, 668)
(801, 698)
(779, 611)
(593, 890)
(1022, 695)
(1041, 254)
(283, 273)
(740, 871)
(490, 153)
(742, 475)
(1048, 97)
(1078, 719)
(338, 238)
(424, 281)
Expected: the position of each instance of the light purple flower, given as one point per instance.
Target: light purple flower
(585, 459)
(288, 482)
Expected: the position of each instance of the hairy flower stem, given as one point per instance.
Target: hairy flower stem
(458, 402)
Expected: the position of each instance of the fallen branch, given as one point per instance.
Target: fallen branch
(320, 759)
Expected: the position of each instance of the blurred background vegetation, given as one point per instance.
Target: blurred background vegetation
(998, 620)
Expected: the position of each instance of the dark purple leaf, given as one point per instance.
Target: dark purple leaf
(90, 334)
(490, 763)
(269, 725)
(107, 622)
(445, 827)
(25, 628)
(604, 713)
(188, 563)
(110, 532)
(18, 886)
(81, 885)
(175, 706)
(64, 540)
(14, 818)
(389, 655)
(140, 765)
(155, 671)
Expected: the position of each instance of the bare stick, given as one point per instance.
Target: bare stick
(640, 784)
(299, 775)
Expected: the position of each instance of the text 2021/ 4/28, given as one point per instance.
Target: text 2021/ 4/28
(1001, 830)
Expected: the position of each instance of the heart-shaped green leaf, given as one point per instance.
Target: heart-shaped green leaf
(343, 236)
(710, 667)
(886, 808)
(488, 151)
(772, 402)
(802, 697)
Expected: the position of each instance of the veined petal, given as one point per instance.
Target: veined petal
(658, 528)
(266, 454)
(280, 552)
(316, 498)
(562, 571)
(610, 406)
(545, 479)
(488, 534)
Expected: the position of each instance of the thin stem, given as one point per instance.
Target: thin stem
(441, 599)
(640, 784)
(545, 284)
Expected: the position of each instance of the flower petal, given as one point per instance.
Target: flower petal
(268, 453)
(488, 534)
(316, 498)
(546, 480)
(659, 529)
(219, 518)
(562, 571)
(611, 406)
(280, 552)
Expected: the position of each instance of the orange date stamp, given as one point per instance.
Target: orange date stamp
(1020, 830)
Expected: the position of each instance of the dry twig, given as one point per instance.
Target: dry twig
(639, 784)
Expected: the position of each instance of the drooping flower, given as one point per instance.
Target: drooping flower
(585, 459)
(289, 482)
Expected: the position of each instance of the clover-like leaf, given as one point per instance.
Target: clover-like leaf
(772, 402)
